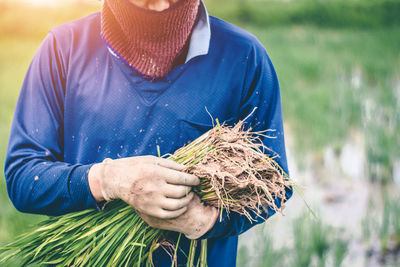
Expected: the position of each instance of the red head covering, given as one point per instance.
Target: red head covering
(149, 41)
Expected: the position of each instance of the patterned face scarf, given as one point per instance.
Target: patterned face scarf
(148, 41)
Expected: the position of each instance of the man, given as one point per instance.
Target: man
(103, 91)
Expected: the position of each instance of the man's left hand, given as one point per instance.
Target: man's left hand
(194, 223)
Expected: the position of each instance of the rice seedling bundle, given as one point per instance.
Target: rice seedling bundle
(236, 176)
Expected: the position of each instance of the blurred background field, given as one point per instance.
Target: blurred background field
(338, 63)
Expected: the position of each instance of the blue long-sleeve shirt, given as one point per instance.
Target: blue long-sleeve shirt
(79, 104)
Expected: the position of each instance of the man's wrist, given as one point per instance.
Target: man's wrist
(205, 225)
(94, 182)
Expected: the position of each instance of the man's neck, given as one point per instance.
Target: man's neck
(155, 5)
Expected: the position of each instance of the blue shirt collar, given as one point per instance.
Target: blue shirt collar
(201, 35)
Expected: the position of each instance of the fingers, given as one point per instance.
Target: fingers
(166, 163)
(157, 213)
(176, 191)
(179, 178)
(172, 204)
(171, 214)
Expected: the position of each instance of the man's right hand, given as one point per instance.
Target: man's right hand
(153, 186)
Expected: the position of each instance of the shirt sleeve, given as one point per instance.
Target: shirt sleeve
(38, 180)
(261, 95)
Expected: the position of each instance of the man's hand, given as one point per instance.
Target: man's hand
(194, 223)
(153, 186)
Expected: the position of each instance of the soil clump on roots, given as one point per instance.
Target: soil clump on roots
(235, 171)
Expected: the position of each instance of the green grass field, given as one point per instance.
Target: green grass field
(329, 77)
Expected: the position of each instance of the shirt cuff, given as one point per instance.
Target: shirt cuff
(79, 189)
(235, 223)
(219, 227)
